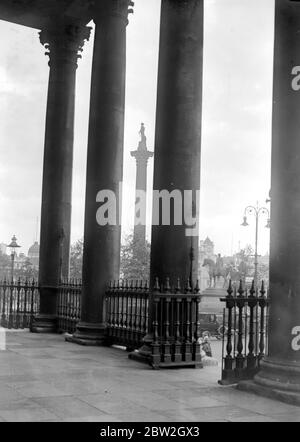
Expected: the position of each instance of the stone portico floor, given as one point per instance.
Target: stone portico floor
(44, 378)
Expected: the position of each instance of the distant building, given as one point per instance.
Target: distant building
(3, 248)
(34, 255)
(207, 250)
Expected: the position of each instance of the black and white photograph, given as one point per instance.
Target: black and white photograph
(149, 214)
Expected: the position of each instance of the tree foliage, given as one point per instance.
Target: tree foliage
(76, 254)
(27, 271)
(5, 265)
(135, 259)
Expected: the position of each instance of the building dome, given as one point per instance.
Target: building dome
(208, 242)
(34, 250)
(34, 254)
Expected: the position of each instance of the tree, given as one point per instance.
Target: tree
(76, 254)
(263, 272)
(135, 259)
(27, 271)
(245, 257)
(5, 265)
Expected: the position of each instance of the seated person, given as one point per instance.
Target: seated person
(206, 347)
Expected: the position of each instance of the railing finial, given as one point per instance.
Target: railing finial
(167, 287)
(156, 287)
(178, 287)
(197, 288)
(241, 290)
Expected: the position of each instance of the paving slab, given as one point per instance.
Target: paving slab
(66, 407)
(43, 378)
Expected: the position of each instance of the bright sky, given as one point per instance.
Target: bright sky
(237, 105)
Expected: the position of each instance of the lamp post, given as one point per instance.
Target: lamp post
(257, 212)
(13, 246)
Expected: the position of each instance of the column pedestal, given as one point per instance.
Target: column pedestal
(44, 324)
(277, 380)
(88, 334)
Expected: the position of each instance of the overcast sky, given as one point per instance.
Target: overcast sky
(237, 106)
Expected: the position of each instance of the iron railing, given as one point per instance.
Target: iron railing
(245, 332)
(176, 326)
(19, 302)
(127, 307)
(68, 305)
(174, 330)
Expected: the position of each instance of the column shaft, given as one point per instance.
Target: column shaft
(280, 373)
(63, 44)
(101, 258)
(141, 185)
(178, 130)
(177, 142)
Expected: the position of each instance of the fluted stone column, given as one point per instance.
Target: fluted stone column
(64, 44)
(280, 370)
(101, 257)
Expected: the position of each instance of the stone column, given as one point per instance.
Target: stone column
(280, 370)
(178, 134)
(63, 44)
(174, 254)
(101, 257)
(142, 155)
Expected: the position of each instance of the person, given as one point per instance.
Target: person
(206, 347)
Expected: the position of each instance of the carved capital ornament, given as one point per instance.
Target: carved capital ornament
(116, 8)
(64, 43)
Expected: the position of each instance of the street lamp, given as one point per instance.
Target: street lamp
(257, 212)
(13, 246)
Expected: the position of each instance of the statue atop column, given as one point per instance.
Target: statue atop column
(142, 155)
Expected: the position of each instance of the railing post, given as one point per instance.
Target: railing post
(11, 298)
(178, 337)
(32, 302)
(262, 305)
(251, 359)
(197, 326)
(156, 356)
(228, 362)
(239, 357)
(3, 315)
(24, 319)
(17, 320)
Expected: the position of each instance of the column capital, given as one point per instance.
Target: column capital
(142, 156)
(64, 42)
(116, 8)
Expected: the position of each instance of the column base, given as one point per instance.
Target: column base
(150, 353)
(277, 379)
(143, 354)
(88, 334)
(44, 324)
